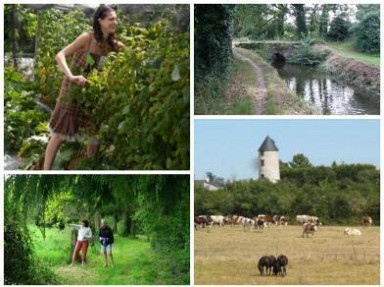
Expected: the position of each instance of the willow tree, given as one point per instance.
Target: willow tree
(158, 204)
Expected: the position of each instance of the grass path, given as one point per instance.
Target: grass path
(346, 49)
(260, 95)
(135, 262)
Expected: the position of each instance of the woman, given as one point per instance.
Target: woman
(83, 237)
(86, 52)
(106, 240)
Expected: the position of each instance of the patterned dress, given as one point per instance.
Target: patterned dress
(68, 118)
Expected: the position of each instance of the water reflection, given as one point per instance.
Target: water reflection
(329, 95)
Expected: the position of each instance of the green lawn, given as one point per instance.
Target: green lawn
(135, 262)
(347, 49)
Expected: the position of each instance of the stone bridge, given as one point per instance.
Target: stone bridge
(277, 50)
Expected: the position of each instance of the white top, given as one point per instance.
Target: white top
(84, 233)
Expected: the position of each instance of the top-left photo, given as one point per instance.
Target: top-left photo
(96, 87)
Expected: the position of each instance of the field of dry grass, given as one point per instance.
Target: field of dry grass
(229, 256)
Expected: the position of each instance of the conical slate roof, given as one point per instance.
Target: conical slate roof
(268, 145)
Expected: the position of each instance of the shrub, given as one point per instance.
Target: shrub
(338, 30)
(21, 118)
(139, 101)
(367, 33)
(306, 56)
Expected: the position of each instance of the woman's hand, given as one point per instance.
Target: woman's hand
(79, 80)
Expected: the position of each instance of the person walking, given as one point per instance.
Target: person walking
(106, 240)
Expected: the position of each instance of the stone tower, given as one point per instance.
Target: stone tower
(269, 167)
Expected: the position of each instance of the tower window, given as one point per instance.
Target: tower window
(261, 153)
(262, 175)
(262, 162)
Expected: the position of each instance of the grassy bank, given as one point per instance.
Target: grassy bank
(280, 99)
(229, 256)
(135, 262)
(347, 49)
(224, 93)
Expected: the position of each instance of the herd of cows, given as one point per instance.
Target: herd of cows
(309, 223)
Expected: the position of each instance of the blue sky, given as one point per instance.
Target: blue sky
(229, 148)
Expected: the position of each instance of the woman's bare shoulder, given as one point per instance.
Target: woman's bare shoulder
(83, 41)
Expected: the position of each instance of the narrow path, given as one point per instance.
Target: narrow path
(260, 97)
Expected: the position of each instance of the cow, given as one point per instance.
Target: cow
(259, 224)
(309, 228)
(202, 221)
(268, 219)
(276, 220)
(217, 219)
(352, 231)
(302, 219)
(283, 221)
(366, 221)
(280, 266)
(247, 223)
(267, 263)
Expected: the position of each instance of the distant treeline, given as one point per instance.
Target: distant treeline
(337, 194)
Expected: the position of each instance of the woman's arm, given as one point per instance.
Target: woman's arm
(120, 46)
(81, 43)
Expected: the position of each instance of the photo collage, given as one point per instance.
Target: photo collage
(191, 143)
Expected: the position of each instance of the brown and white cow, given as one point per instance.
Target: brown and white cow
(309, 228)
(366, 221)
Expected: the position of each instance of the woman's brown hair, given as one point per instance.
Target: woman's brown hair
(101, 13)
(86, 223)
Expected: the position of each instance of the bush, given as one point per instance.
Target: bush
(57, 31)
(338, 30)
(20, 267)
(21, 118)
(305, 55)
(139, 102)
(367, 33)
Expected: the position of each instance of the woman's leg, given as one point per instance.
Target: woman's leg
(110, 254)
(84, 249)
(51, 150)
(76, 251)
(105, 259)
(92, 149)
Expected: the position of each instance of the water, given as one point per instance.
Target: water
(11, 162)
(329, 95)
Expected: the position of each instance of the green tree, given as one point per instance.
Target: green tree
(367, 33)
(300, 161)
(299, 12)
(338, 30)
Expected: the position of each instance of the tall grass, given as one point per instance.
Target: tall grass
(223, 92)
(135, 262)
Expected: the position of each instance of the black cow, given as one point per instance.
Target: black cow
(267, 263)
(280, 266)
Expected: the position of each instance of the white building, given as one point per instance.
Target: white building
(269, 167)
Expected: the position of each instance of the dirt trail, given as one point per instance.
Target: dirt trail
(260, 98)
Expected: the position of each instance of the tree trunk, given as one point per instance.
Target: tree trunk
(300, 20)
(128, 224)
(74, 234)
(114, 223)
